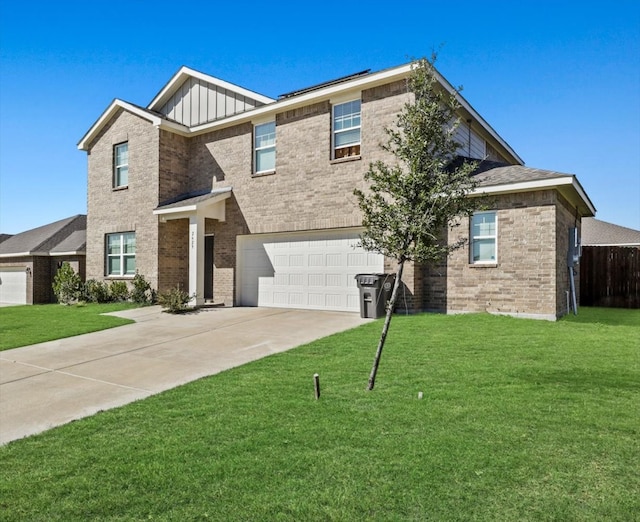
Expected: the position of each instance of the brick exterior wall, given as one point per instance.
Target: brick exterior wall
(529, 254)
(309, 191)
(565, 219)
(42, 270)
(128, 209)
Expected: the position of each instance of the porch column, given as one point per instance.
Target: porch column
(196, 259)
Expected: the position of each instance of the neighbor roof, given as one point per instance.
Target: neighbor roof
(75, 242)
(600, 233)
(42, 240)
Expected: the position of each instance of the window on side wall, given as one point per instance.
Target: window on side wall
(121, 165)
(484, 238)
(264, 147)
(345, 135)
(120, 254)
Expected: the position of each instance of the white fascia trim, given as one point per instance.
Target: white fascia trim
(611, 244)
(117, 104)
(176, 210)
(583, 195)
(523, 186)
(220, 195)
(24, 254)
(70, 253)
(527, 186)
(185, 72)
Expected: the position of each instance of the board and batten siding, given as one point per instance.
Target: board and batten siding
(198, 102)
(478, 146)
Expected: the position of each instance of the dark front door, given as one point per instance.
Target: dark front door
(208, 268)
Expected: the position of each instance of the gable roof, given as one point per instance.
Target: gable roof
(601, 233)
(185, 73)
(267, 107)
(42, 240)
(4, 237)
(500, 178)
(115, 107)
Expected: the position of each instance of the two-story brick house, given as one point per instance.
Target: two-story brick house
(248, 201)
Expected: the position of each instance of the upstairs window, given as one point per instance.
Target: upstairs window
(484, 237)
(265, 147)
(345, 134)
(121, 165)
(121, 254)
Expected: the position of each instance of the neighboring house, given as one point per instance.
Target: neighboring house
(610, 265)
(248, 201)
(30, 260)
(600, 233)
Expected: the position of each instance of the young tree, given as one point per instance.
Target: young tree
(67, 285)
(409, 205)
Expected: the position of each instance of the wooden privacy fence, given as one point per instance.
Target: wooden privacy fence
(610, 276)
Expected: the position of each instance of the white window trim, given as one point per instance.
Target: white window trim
(117, 167)
(494, 237)
(121, 255)
(333, 131)
(256, 149)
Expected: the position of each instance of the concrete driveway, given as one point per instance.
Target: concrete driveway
(52, 383)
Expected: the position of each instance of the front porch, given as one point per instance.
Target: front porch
(197, 207)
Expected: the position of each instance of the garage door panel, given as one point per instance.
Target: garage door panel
(13, 286)
(312, 270)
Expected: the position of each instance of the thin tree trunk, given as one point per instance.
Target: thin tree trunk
(387, 322)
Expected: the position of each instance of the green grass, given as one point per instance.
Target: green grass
(520, 420)
(24, 325)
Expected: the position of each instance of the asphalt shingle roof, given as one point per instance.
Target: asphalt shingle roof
(76, 242)
(43, 239)
(191, 198)
(595, 232)
(491, 173)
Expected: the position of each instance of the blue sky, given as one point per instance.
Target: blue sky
(559, 81)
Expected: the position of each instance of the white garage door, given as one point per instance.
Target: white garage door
(308, 270)
(13, 285)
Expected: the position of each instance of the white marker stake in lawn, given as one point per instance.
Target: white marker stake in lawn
(316, 385)
(419, 395)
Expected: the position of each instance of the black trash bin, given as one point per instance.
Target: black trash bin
(375, 292)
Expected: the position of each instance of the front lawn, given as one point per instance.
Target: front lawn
(519, 420)
(24, 325)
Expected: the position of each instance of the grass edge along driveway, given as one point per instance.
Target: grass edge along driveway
(520, 420)
(25, 325)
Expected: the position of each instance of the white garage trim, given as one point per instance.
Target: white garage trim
(310, 270)
(13, 285)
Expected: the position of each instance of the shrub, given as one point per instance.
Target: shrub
(96, 291)
(174, 300)
(119, 291)
(67, 285)
(142, 292)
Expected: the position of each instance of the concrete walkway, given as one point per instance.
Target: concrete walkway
(49, 384)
